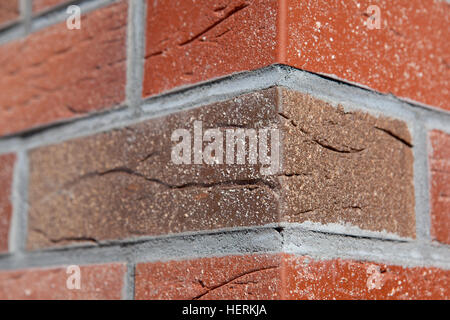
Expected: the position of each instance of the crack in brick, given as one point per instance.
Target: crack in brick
(155, 54)
(321, 143)
(65, 239)
(393, 135)
(215, 24)
(150, 155)
(335, 149)
(229, 281)
(250, 184)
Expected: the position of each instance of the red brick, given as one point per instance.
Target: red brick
(235, 277)
(408, 56)
(285, 276)
(102, 282)
(44, 5)
(342, 279)
(50, 75)
(9, 11)
(190, 41)
(202, 40)
(440, 185)
(6, 176)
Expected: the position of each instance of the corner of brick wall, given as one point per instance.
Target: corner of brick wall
(359, 208)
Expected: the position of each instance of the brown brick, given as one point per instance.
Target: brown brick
(44, 5)
(440, 185)
(285, 276)
(235, 277)
(61, 67)
(98, 282)
(346, 167)
(9, 11)
(122, 183)
(6, 176)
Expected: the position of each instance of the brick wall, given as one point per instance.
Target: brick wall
(357, 208)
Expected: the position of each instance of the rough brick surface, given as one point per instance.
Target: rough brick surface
(343, 279)
(202, 40)
(286, 276)
(61, 68)
(123, 183)
(236, 277)
(98, 282)
(408, 56)
(44, 5)
(440, 186)
(193, 41)
(346, 167)
(9, 11)
(6, 176)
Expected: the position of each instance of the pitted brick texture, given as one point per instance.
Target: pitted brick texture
(9, 11)
(98, 282)
(440, 185)
(193, 41)
(44, 5)
(236, 277)
(346, 167)
(123, 183)
(338, 279)
(6, 177)
(61, 68)
(285, 276)
(408, 56)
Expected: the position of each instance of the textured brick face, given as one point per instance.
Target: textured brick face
(343, 279)
(440, 186)
(190, 41)
(408, 56)
(123, 183)
(6, 176)
(61, 67)
(246, 277)
(98, 282)
(43, 5)
(287, 276)
(346, 167)
(9, 11)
